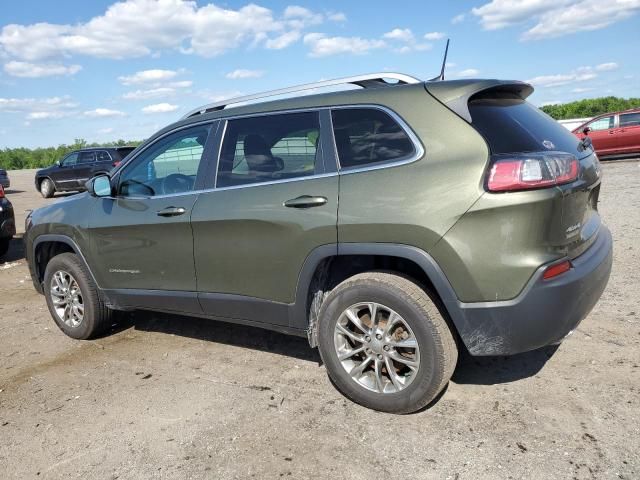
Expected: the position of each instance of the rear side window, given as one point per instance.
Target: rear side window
(269, 148)
(368, 136)
(511, 125)
(630, 120)
(103, 156)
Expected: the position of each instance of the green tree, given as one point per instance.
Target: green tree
(590, 107)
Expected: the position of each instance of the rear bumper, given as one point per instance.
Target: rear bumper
(546, 310)
(5, 182)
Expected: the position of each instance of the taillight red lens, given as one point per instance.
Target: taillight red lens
(527, 171)
(557, 269)
(1, 191)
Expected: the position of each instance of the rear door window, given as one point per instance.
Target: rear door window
(269, 148)
(511, 125)
(368, 136)
(630, 120)
(86, 157)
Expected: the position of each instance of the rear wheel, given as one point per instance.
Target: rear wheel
(73, 298)
(384, 343)
(47, 188)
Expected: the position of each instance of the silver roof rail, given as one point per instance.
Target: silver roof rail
(370, 80)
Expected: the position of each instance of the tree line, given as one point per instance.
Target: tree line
(590, 107)
(19, 158)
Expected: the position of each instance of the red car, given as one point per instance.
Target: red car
(613, 134)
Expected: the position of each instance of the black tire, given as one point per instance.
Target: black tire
(4, 246)
(47, 188)
(438, 351)
(97, 317)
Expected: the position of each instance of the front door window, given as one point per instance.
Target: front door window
(167, 167)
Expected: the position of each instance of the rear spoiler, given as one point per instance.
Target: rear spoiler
(455, 94)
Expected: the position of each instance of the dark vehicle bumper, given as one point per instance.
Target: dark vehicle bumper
(5, 182)
(545, 312)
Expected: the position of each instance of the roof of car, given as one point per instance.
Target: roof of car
(85, 149)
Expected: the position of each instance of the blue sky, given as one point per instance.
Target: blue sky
(104, 70)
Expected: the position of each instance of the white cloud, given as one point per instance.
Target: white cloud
(283, 41)
(300, 17)
(150, 93)
(243, 73)
(149, 76)
(322, 46)
(560, 79)
(405, 36)
(401, 34)
(580, 74)
(554, 18)
(47, 115)
(33, 70)
(39, 108)
(103, 113)
(337, 17)
(458, 19)
(106, 130)
(135, 28)
(159, 108)
(469, 72)
(606, 67)
(581, 89)
(434, 36)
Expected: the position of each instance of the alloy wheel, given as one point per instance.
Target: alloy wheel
(66, 298)
(376, 347)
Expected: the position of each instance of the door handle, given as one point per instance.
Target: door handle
(171, 212)
(305, 201)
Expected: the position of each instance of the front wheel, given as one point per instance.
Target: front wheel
(73, 298)
(47, 188)
(385, 344)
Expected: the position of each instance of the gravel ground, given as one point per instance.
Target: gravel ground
(172, 397)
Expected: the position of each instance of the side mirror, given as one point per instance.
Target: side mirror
(58, 163)
(99, 186)
(586, 130)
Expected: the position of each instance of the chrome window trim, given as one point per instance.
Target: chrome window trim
(418, 153)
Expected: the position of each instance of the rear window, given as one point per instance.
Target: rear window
(513, 125)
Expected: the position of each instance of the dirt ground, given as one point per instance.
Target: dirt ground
(172, 397)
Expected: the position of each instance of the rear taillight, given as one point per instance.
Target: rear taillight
(526, 171)
(1, 191)
(116, 163)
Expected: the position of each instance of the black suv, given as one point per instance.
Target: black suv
(71, 173)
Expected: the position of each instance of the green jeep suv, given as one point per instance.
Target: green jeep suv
(392, 225)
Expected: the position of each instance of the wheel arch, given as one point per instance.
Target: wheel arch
(330, 264)
(47, 246)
